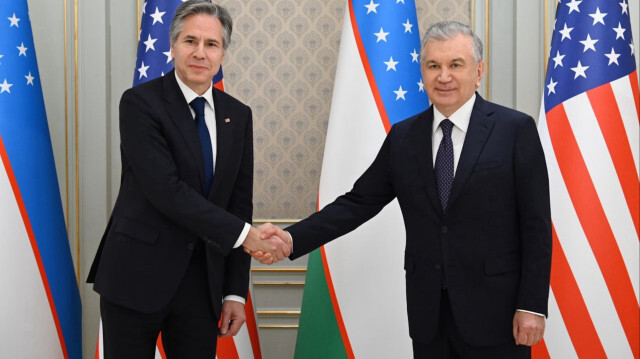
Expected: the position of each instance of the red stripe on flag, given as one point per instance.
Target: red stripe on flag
(160, 347)
(594, 223)
(336, 306)
(633, 77)
(540, 351)
(571, 304)
(252, 327)
(367, 70)
(34, 244)
(607, 112)
(226, 349)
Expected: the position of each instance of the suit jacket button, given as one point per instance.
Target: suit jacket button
(190, 246)
(444, 229)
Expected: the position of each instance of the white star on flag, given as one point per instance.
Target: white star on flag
(573, 5)
(619, 31)
(144, 8)
(400, 94)
(407, 26)
(625, 7)
(168, 55)
(557, 61)
(149, 43)
(399, 1)
(143, 70)
(566, 32)
(14, 20)
(22, 49)
(372, 7)
(29, 79)
(414, 56)
(598, 17)
(589, 43)
(391, 65)
(4, 87)
(157, 16)
(382, 36)
(420, 86)
(579, 70)
(1, 56)
(552, 87)
(633, 49)
(613, 57)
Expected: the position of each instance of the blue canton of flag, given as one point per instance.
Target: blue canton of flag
(391, 38)
(46, 322)
(591, 46)
(154, 47)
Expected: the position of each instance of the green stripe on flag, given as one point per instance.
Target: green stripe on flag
(318, 334)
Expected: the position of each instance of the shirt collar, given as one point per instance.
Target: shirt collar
(190, 95)
(460, 118)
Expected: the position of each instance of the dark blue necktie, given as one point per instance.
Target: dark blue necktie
(444, 173)
(205, 141)
(444, 164)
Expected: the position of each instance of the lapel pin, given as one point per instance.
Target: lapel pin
(227, 120)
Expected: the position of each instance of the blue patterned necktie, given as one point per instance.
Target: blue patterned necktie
(205, 140)
(444, 164)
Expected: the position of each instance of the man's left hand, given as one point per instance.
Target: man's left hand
(528, 328)
(232, 318)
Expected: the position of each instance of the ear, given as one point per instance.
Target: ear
(480, 71)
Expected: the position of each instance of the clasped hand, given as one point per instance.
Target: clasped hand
(268, 243)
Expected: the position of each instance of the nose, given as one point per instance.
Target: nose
(444, 75)
(199, 52)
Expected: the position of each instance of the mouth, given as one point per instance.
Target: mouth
(198, 67)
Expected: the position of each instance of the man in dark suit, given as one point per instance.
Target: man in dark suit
(171, 250)
(471, 180)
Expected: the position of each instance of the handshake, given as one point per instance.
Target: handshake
(268, 243)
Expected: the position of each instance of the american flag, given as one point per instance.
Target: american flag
(590, 132)
(154, 60)
(40, 307)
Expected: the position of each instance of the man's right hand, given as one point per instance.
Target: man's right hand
(267, 244)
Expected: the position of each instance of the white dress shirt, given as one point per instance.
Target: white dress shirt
(210, 120)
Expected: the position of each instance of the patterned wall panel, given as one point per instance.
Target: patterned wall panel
(282, 63)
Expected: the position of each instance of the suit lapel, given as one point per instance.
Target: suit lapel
(179, 112)
(480, 126)
(421, 150)
(224, 140)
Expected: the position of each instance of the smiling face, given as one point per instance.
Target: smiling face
(450, 73)
(198, 51)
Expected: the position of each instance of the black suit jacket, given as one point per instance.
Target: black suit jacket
(161, 210)
(494, 241)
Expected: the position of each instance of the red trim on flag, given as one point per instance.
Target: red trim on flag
(34, 244)
(633, 77)
(219, 85)
(226, 349)
(252, 328)
(607, 112)
(594, 223)
(572, 307)
(160, 347)
(367, 70)
(540, 351)
(98, 346)
(336, 306)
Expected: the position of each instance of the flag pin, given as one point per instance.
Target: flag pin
(227, 120)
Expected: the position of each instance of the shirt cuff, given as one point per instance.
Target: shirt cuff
(243, 236)
(235, 298)
(291, 239)
(526, 311)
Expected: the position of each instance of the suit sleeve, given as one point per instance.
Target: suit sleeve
(151, 160)
(370, 193)
(534, 215)
(241, 204)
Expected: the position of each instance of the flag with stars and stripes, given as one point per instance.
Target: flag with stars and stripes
(40, 310)
(154, 60)
(589, 127)
(378, 83)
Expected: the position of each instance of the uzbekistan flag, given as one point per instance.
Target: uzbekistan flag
(154, 60)
(589, 130)
(40, 310)
(354, 302)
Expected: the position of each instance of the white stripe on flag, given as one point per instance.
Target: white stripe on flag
(593, 147)
(242, 341)
(27, 328)
(627, 105)
(581, 258)
(556, 336)
(367, 264)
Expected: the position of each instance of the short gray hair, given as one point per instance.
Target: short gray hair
(447, 30)
(193, 7)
